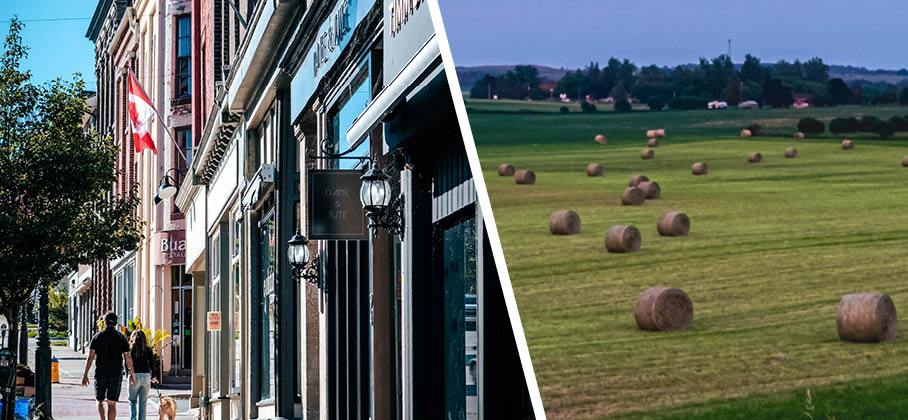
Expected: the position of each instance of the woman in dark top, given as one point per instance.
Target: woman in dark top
(142, 361)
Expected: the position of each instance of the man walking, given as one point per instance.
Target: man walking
(111, 348)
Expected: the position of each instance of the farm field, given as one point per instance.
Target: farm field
(772, 248)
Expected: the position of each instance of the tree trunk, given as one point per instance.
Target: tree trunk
(23, 336)
(9, 399)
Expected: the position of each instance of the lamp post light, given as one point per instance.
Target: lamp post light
(168, 186)
(299, 256)
(375, 195)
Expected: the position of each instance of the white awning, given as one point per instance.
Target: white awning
(391, 95)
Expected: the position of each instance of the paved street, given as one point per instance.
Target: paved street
(71, 401)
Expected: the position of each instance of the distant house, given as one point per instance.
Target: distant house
(717, 105)
(749, 105)
(801, 102)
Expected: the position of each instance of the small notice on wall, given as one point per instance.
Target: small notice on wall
(214, 320)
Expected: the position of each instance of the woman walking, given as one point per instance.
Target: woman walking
(142, 362)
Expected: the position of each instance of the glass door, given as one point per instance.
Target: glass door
(457, 245)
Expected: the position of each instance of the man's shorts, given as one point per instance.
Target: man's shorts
(108, 388)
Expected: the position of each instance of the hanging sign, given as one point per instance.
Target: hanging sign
(335, 212)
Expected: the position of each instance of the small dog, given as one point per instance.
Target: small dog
(167, 409)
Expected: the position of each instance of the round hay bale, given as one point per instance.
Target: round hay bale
(505, 169)
(525, 177)
(622, 239)
(594, 169)
(791, 152)
(663, 309)
(746, 133)
(564, 222)
(652, 142)
(636, 180)
(650, 134)
(866, 318)
(673, 223)
(600, 139)
(905, 161)
(699, 168)
(651, 189)
(660, 132)
(799, 136)
(755, 157)
(633, 196)
(647, 154)
(847, 144)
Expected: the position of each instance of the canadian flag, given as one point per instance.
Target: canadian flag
(140, 110)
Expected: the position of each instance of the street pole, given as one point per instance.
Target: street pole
(23, 334)
(42, 358)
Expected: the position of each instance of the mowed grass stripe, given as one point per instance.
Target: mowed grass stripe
(772, 248)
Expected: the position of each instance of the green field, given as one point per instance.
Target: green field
(772, 248)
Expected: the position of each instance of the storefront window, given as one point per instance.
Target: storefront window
(267, 308)
(214, 305)
(345, 113)
(461, 339)
(236, 303)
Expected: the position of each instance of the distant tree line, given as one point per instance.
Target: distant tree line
(693, 86)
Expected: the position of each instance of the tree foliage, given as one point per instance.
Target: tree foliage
(56, 209)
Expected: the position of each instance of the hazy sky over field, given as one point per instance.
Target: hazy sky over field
(571, 33)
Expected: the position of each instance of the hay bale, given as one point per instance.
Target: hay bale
(505, 169)
(594, 169)
(600, 139)
(755, 157)
(673, 223)
(622, 239)
(564, 222)
(636, 180)
(699, 168)
(652, 142)
(651, 189)
(746, 133)
(866, 318)
(656, 133)
(905, 161)
(847, 144)
(525, 177)
(633, 196)
(799, 136)
(791, 152)
(647, 154)
(663, 309)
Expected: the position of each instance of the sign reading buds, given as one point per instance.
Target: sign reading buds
(170, 247)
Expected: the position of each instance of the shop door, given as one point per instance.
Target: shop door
(349, 368)
(456, 242)
(181, 324)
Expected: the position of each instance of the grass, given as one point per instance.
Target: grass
(773, 246)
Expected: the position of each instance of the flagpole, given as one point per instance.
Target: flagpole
(166, 128)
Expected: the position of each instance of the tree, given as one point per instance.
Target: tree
(484, 88)
(623, 106)
(58, 310)
(655, 103)
(843, 125)
(55, 179)
(884, 129)
(839, 90)
(776, 94)
(733, 91)
(903, 96)
(816, 70)
(811, 126)
(752, 70)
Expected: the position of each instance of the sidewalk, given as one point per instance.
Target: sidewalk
(72, 401)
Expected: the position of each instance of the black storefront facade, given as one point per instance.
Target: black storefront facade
(411, 315)
(400, 321)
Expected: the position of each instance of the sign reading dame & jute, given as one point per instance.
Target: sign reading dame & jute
(335, 211)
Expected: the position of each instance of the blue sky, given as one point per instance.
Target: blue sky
(57, 48)
(571, 33)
